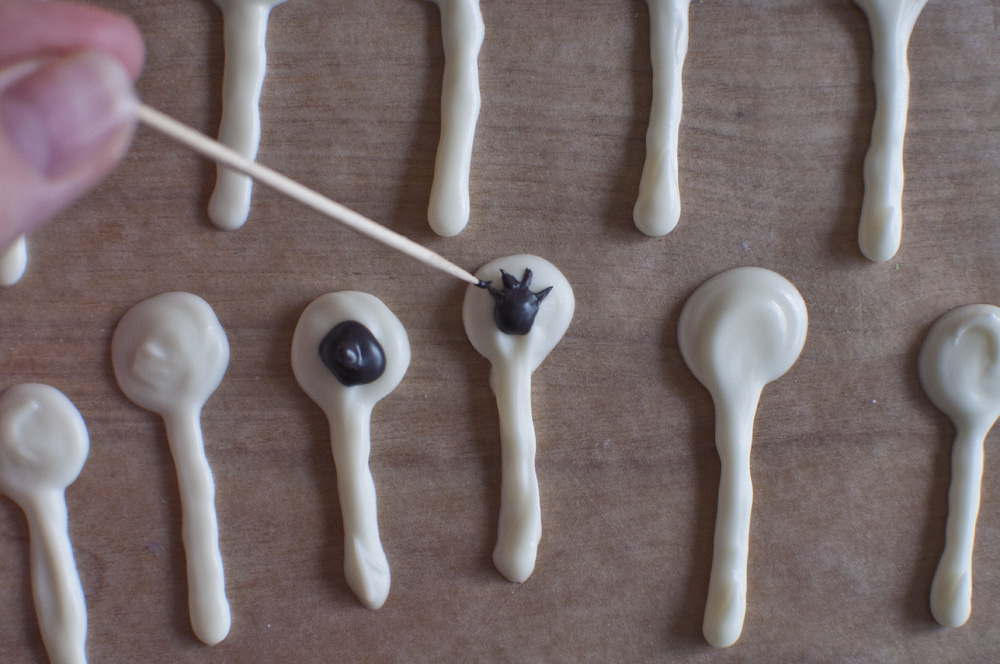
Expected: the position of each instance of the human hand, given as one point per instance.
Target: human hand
(67, 105)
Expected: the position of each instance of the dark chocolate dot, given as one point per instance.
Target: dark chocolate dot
(516, 306)
(352, 354)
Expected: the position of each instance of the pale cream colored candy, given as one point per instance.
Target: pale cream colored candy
(463, 32)
(13, 261)
(245, 35)
(169, 355)
(881, 226)
(737, 332)
(960, 372)
(43, 446)
(658, 206)
(513, 358)
(348, 409)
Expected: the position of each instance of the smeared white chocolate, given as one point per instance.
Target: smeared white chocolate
(513, 358)
(43, 446)
(890, 23)
(659, 204)
(13, 261)
(960, 372)
(245, 35)
(169, 355)
(737, 332)
(463, 32)
(348, 410)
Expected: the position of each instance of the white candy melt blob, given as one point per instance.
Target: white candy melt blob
(960, 372)
(463, 32)
(348, 409)
(890, 23)
(737, 332)
(13, 261)
(245, 35)
(513, 358)
(43, 446)
(169, 355)
(659, 204)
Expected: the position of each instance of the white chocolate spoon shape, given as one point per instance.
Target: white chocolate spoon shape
(43, 446)
(959, 369)
(13, 261)
(169, 355)
(348, 407)
(513, 358)
(659, 204)
(245, 36)
(890, 23)
(463, 33)
(737, 332)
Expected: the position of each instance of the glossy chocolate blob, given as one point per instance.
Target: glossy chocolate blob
(352, 354)
(516, 306)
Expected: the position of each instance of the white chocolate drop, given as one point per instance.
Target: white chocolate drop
(659, 204)
(737, 332)
(169, 355)
(463, 32)
(960, 372)
(348, 410)
(13, 261)
(890, 23)
(245, 35)
(513, 358)
(43, 446)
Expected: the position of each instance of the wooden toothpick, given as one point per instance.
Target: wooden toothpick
(216, 151)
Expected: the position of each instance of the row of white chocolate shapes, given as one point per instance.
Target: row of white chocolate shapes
(891, 22)
(657, 208)
(169, 355)
(245, 27)
(738, 331)
(348, 408)
(746, 327)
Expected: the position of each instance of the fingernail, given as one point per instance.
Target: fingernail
(67, 111)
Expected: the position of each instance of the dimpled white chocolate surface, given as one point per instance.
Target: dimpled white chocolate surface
(738, 331)
(169, 354)
(960, 372)
(43, 446)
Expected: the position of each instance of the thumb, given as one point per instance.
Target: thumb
(64, 124)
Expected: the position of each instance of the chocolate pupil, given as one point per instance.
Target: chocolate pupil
(516, 305)
(352, 354)
(516, 314)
